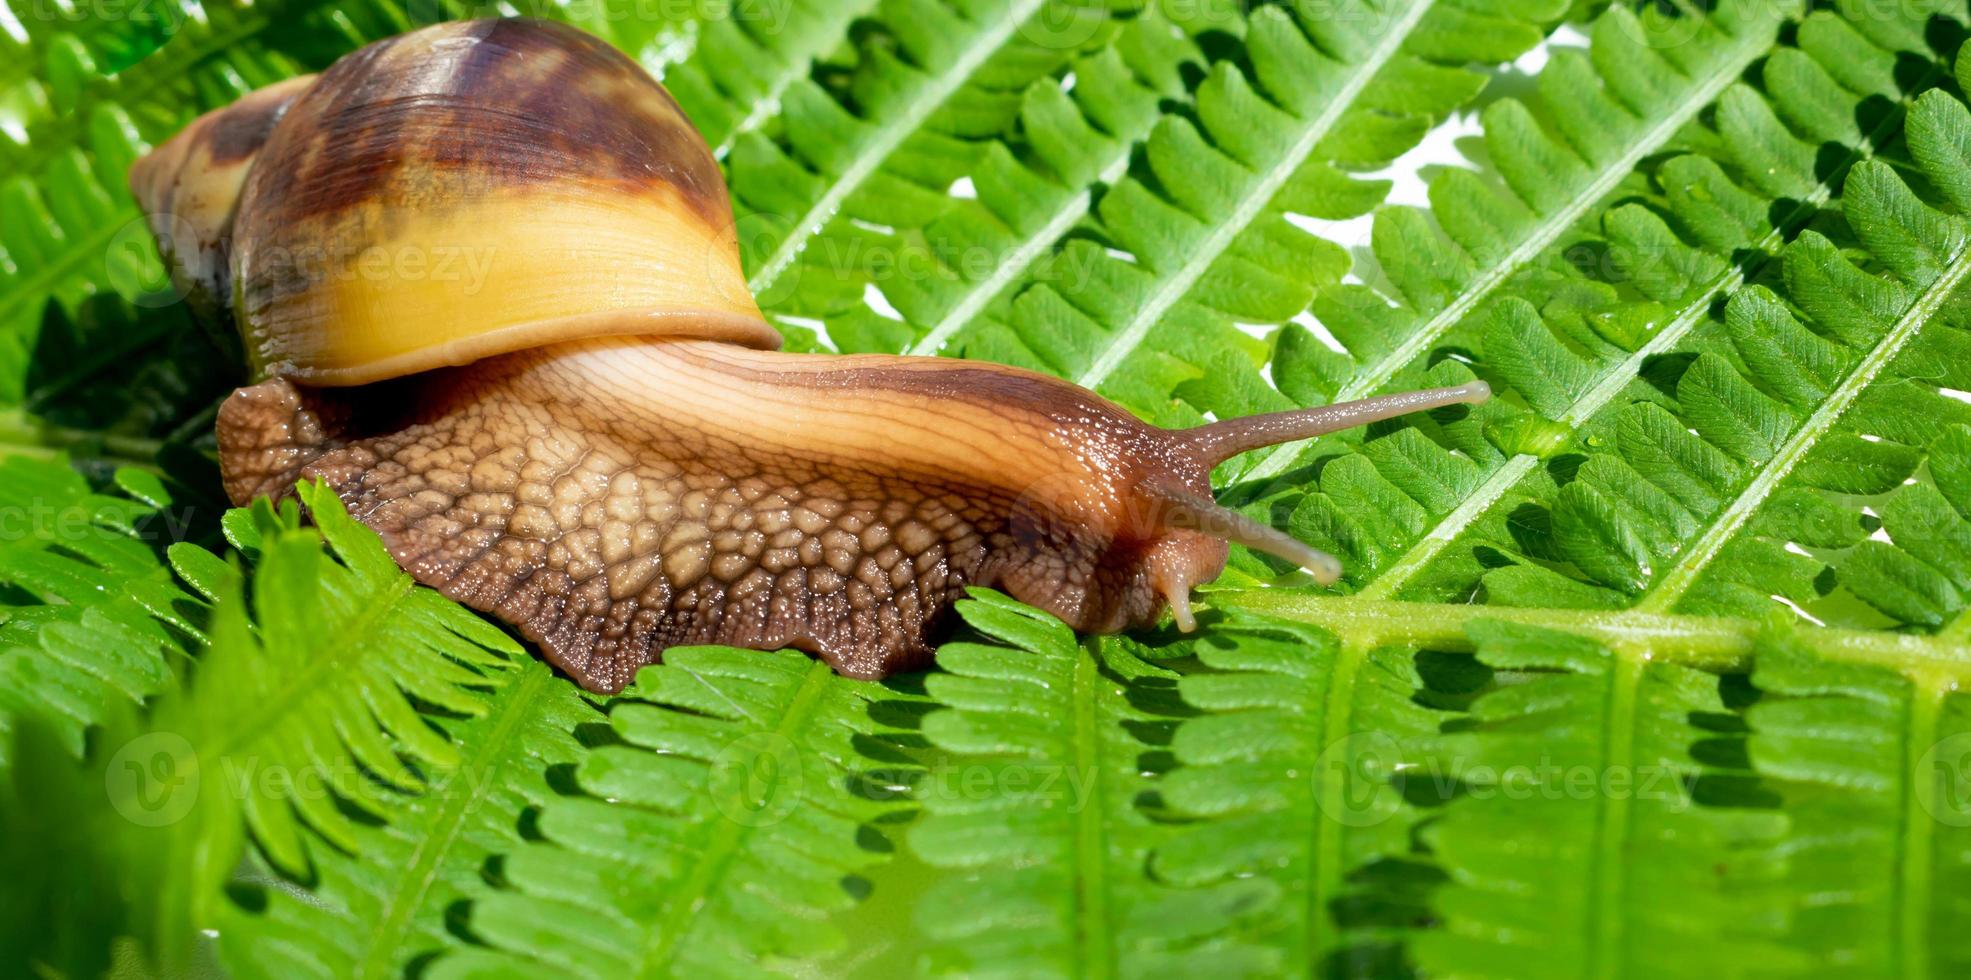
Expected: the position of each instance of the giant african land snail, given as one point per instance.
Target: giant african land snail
(597, 439)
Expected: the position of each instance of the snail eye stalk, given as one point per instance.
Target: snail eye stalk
(1220, 441)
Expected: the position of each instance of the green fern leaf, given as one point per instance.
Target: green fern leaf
(1206, 232)
(1035, 812)
(386, 905)
(1590, 763)
(1288, 781)
(85, 628)
(716, 832)
(1870, 765)
(1563, 365)
(329, 682)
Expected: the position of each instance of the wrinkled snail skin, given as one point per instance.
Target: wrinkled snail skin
(603, 446)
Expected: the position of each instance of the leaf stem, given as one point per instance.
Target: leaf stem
(1705, 642)
(1914, 883)
(23, 434)
(384, 943)
(1091, 872)
(669, 929)
(1331, 796)
(1683, 573)
(1259, 195)
(1608, 866)
(942, 85)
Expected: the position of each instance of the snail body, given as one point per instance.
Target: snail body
(600, 442)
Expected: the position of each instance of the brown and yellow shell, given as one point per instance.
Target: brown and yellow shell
(453, 193)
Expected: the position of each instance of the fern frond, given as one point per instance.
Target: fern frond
(324, 688)
(937, 78)
(1591, 763)
(1034, 806)
(85, 628)
(1608, 110)
(715, 833)
(297, 714)
(1803, 397)
(743, 64)
(1581, 355)
(1286, 782)
(1623, 701)
(1870, 765)
(388, 905)
(948, 269)
(1571, 369)
(1206, 230)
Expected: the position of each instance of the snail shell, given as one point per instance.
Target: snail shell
(594, 435)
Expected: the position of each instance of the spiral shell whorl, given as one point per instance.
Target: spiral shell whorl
(475, 188)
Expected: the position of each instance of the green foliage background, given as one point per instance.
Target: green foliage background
(1650, 667)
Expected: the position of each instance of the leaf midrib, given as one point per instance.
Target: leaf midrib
(1703, 642)
(888, 137)
(767, 104)
(344, 647)
(382, 949)
(1685, 569)
(1607, 867)
(1618, 378)
(1751, 45)
(1090, 858)
(1914, 889)
(722, 845)
(1015, 264)
(1259, 194)
(1332, 793)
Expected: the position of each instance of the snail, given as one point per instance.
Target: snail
(585, 426)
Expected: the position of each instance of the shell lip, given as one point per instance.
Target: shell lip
(747, 330)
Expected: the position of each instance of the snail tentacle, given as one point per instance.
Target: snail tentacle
(1186, 510)
(1217, 442)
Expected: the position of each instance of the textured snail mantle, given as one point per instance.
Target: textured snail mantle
(584, 426)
